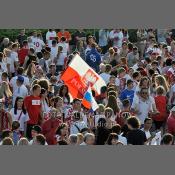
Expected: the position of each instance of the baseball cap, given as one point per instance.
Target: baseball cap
(20, 78)
(37, 128)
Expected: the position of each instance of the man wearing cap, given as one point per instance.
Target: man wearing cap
(20, 90)
(171, 122)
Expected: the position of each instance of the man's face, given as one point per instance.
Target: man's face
(130, 86)
(35, 34)
(77, 105)
(144, 94)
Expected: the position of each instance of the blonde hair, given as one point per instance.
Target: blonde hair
(23, 141)
(5, 90)
(162, 82)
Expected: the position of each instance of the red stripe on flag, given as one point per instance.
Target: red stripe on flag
(86, 104)
(74, 82)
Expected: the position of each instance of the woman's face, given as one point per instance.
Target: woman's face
(20, 103)
(64, 90)
(59, 103)
(145, 83)
(157, 81)
(64, 131)
(114, 141)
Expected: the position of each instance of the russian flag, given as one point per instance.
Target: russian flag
(89, 101)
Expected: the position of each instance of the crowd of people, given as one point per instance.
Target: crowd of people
(136, 107)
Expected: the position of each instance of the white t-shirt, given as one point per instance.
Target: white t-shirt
(54, 52)
(97, 117)
(79, 124)
(11, 60)
(31, 45)
(39, 44)
(50, 36)
(3, 66)
(65, 47)
(117, 38)
(60, 60)
(105, 77)
(13, 81)
(34, 40)
(16, 117)
(19, 92)
(143, 107)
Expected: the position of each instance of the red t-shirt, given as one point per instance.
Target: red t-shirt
(171, 124)
(161, 102)
(22, 53)
(49, 128)
(33, 107)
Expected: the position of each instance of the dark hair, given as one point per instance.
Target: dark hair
(130, 46)
(4, 74)
(103, 89)
(168, 62)
(16, 108)
(54, 42)
(39, 55)
(147, 119)
(125, 103)
(155, 62)
(6, 133)
(63, 39)
(62, 142)
(134, 122)
(111, 137)
(166, 139)
(67, 93)
(151, 72)
(15, 125)
(32, 50)
(108, 68)
(135, 74)
(41, 139)
(129, 82)
(25, 42)
(116, 129)
(20, 70)
(148, 60)
(63, 125)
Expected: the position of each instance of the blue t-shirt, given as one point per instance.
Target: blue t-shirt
(127, 94)
(93, 59)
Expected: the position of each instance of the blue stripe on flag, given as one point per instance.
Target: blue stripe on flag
(88, 97)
